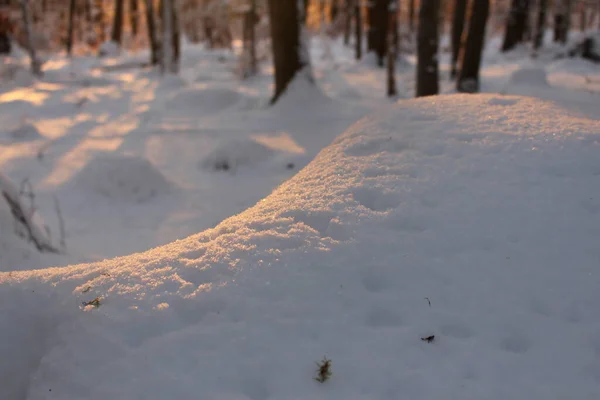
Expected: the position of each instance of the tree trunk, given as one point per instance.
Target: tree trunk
(289, 53)
(175, 37)
(117, 28)
(515, 24)
(358, 30)
(541, 24)
(151, 25)
(36, 67)
(70, 26)
(252, 37)
(392, 35)
(458, 25)
(334, 10)
(133, 17)
(167, 37)
(381, 30)
(371, 22)
(411, 16)
(582, 17)
(99, 21)
(348, 21)
(427, 48)
(562, 18)
(468, 80)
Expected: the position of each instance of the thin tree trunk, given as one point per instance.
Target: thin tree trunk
(70, 27)
(541, 24)
(458, 26)
(36, 67)
(358, 30)
(289, 54)
(411, 16)
(515, 24)
(371, 20)
(167, 37)
(392, 35)
(380, 29)
(151, 25)
(427, 48)
(468, 80)
(117, 28)
(561, 20)
(348, 21)
(252, 37)
(175, 37)
(133, 17)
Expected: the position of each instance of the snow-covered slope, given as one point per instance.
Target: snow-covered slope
(473, 218)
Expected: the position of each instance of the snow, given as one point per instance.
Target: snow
(483, 205)
(473, 218)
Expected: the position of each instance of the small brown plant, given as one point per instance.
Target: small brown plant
(324, 370)
(94, 303)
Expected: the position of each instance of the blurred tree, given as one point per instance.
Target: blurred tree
(348, 10)
(468, 79)
(70, 26)
(458, 25)
(541, 24)
(133, 17)
(427, 49)
(358, 30)
(392, 40)
(290, 53)
(151, 26)
(562, 17)
(117, 28)
(516, 23)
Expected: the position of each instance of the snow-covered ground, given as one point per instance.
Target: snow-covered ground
(470, 218)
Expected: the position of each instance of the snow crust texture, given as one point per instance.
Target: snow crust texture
(473, 218)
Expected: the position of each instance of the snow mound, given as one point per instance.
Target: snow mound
(124, 178)
(530, 76)
(109, 49)
(25, 131)
(233, 154)
(202, 101)
(464, 219)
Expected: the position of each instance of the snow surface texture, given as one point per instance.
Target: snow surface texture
(473, 218)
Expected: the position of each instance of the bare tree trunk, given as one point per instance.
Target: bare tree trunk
(99, 21)
(70, 26)
(117, 28)
(515, 24)
(541, 24)
(358, 30)
(166, 64)
(289, 53)
(348, 21)
(458, 26)
(133, 17)
(371, 20)
(411, 16)
(562, 16)
(175, 37)
(380, 29)
(252, 18)
(151, 25)
(392, 36)
(468, 80)
(427, 48)
(36, 67)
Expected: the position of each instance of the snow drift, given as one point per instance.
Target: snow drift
(471, 218)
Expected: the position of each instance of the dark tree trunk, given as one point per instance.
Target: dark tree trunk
(151, 25)
(380, 30)
(371, 21)
(458, 25)
(99, 21)
(348, 21)
(333, 10)
(133, 17)
(358, 30)
(117, 28)
(468, 80)
(427, 48)
(392, 38)
(286, 37)
(411, 16)
(541, 24)
(175, 39)
(250, 32)
(515, 24)
(582, 18)
(562, 20)
(70, 27)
